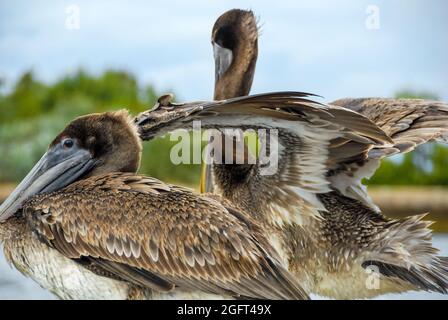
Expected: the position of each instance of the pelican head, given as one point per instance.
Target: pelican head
(90, 145)
(235, 49)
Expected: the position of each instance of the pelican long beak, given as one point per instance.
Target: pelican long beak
(223, 60)
(56, 169)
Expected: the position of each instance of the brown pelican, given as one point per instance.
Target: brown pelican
(330, 255)
(84, 225)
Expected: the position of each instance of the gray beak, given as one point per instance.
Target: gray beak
(55, 170)
(223, 60)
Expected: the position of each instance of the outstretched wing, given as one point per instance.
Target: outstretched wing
(160, 236)
(313, 141)
(409, 122)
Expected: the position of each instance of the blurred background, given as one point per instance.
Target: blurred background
(62, 59)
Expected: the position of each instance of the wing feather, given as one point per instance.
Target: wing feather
(314, 141)
(409, 122)
(163, 239)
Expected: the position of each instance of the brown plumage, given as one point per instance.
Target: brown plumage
(235, 48)
(409, 122)
(141, 231)
(305, 129)
(159, 236)
(300, 206)
(320, 175)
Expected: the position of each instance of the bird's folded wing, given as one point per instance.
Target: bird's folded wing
(160, 236)
(315, 141)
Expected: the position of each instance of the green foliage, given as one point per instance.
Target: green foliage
(157, 163)
(33, 113)
(411, 94)
(405, 171)
(74, 94)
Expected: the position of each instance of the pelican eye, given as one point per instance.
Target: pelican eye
(68, 143)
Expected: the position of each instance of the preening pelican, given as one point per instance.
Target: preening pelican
(331, 255)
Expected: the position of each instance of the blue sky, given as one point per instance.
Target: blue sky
(316, 46)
